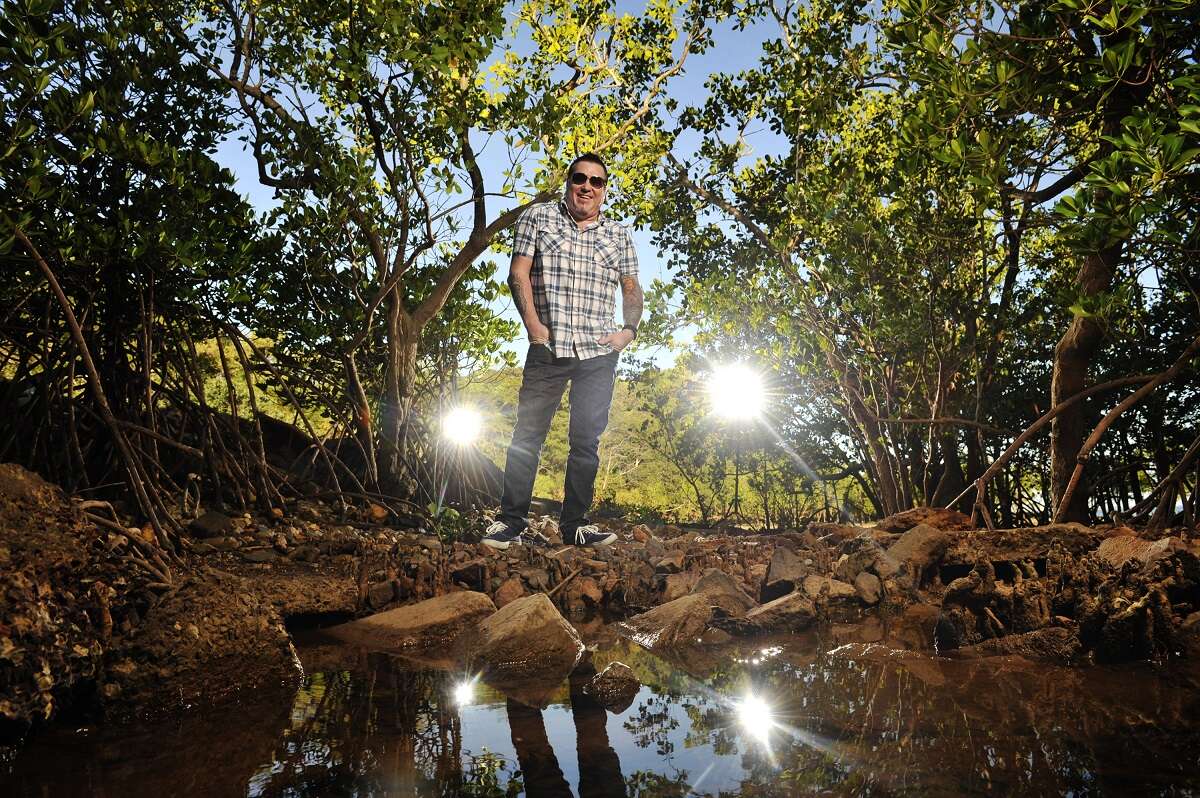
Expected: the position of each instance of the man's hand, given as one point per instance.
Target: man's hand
(538, 333)
(616, 341)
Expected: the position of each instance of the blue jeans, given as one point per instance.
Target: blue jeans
(542, 384)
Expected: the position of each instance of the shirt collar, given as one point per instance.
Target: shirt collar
(562, 209)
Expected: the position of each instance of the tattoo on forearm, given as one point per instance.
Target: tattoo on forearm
(631, 300)
(517, 286)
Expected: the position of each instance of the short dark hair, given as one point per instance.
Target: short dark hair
(590, 157)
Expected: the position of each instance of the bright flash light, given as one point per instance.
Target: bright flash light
(462, 425)
(736, 392)
(464, 693)
(755, 717)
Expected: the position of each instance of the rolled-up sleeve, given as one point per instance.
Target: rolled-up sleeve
(628, 263)
(525, 234)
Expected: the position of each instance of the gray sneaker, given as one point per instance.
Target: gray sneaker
(590, 535)
(500, 536)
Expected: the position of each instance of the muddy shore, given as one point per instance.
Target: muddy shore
(83, 629)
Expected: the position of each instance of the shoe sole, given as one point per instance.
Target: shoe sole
(497, 544)
(608, 541)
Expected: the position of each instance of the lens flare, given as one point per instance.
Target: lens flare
(736, 392)
(462, 425)
(756, 717)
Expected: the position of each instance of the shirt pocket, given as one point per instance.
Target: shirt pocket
(553, 248)
(608, 257)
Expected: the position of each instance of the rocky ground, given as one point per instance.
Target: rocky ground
(83, 625)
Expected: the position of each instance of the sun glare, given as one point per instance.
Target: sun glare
(462, 425)
(736, 392)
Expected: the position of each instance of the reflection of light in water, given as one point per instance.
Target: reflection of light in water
(760, 656)
(756, 717)
(464, 693)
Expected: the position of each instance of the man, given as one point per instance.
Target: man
(568, 260)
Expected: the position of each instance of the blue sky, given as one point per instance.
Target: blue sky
(733, 50)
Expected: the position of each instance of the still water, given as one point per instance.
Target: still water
(849, 711)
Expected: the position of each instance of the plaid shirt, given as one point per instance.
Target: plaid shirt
(575, 275)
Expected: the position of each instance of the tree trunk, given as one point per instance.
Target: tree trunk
(1072, 358)
(403, 335)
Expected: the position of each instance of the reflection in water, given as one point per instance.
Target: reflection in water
(807, 716)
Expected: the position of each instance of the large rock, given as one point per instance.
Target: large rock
(936, 517)
(723, 591)
(528, 639)
(426, 624)
(614, 688)
(676, 623)
(864, 553)
(792, 612)
(211, 524)
(677, 585)
(816, 587)
(868, 587)
(784, 574)
(1116, 551)
(921, 548)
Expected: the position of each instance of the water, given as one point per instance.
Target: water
(825, 714)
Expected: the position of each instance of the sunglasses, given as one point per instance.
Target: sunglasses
(579, 178)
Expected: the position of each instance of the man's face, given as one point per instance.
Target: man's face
(584, 199)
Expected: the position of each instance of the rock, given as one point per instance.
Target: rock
(528, 639)
(920, 547)
(380, 594)
(671, 564)
(677, 585)
(940, 518)
(378, 513)
(715, 637)
(211, 524)
(259, 555)
(1116, 551)
(792, 612)
(723, 591)
(472, 574)
(815, 586)
(305, 553)
(785, 573)
(280, 542)
(509, 591)
(1053, 644)
(426, 624)
(868, 587)
(641, 533)
(860, 554)
(224, 544)
(676, 623)
(203, 548)
(536, 578)
(614, 688)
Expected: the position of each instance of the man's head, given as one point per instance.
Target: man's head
(587, 182)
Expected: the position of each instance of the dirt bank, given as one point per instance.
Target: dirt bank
(83, 626)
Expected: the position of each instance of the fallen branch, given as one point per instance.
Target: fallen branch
(564, 582)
